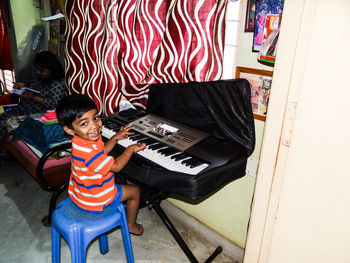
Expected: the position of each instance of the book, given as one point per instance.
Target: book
(20, 91)
(4, 108)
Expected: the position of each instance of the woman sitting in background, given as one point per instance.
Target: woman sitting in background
(49, 89)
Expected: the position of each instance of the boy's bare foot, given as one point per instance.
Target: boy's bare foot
(136, 229)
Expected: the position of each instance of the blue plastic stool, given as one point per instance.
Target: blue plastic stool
(79, 228)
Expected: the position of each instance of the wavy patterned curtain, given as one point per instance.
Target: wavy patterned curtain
(5, 52)
(121, 47)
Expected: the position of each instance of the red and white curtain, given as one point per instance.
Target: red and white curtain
(5, 52)
(120, 47)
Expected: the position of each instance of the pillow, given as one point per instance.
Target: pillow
(39, 135)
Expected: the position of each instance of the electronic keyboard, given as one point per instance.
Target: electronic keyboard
(199, 136)
(171, 145)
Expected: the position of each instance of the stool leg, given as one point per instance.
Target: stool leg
(126, 236)
(78, 246)
(55, 245)
(103, 241)
(127, 243)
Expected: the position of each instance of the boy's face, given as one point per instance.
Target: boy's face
(88, 126)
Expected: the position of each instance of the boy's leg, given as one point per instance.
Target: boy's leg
(131, 194)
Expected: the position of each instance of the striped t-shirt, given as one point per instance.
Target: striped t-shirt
(91, 184)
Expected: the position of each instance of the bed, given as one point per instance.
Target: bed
(50, 170)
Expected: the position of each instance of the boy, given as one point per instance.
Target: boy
(91, 184)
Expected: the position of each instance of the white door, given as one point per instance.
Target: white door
(301, 203)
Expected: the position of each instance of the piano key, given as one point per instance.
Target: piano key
(163, 150)
(149, 141)
(114, 126)
(142, 140)
(185, 163)
(192, 162)
(133, 135)
(166, 161)
(181, 157)
(176, 155)
(196, 164)
(170, 151)
(137, 137)
(108, 133)
(171, 160)
(156, 146)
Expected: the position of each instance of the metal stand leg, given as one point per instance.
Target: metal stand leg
(166, 221)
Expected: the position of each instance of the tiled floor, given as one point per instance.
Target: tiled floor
(24, 239)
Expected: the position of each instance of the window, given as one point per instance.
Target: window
(233, 19)
(7, 77)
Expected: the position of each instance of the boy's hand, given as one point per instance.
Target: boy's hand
(123, 132)
(122, 160)
(138, 147)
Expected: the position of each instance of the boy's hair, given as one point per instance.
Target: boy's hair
(72, 107)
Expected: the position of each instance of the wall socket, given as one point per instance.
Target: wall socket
(252, 166)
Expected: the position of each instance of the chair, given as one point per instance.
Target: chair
(79, 228)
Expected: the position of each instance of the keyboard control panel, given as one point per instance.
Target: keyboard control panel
(171, 133)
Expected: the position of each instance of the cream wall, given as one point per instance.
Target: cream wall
(228, 211)
(28, 35)
(25, 16)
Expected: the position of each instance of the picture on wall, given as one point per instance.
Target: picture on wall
(250, 16)
(266, 10)
(271, 30)
(260, 86)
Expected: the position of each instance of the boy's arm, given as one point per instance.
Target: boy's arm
(122, 134)
(123, 159)
(109, 145)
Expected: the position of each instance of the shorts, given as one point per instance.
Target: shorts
(117, 197)
(115, 201)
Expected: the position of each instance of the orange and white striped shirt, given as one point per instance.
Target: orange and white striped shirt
(91, 184)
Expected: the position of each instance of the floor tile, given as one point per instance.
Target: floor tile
(24, 239)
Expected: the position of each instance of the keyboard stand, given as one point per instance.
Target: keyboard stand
(152, 199)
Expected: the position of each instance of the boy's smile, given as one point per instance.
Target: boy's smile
(88, 126)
